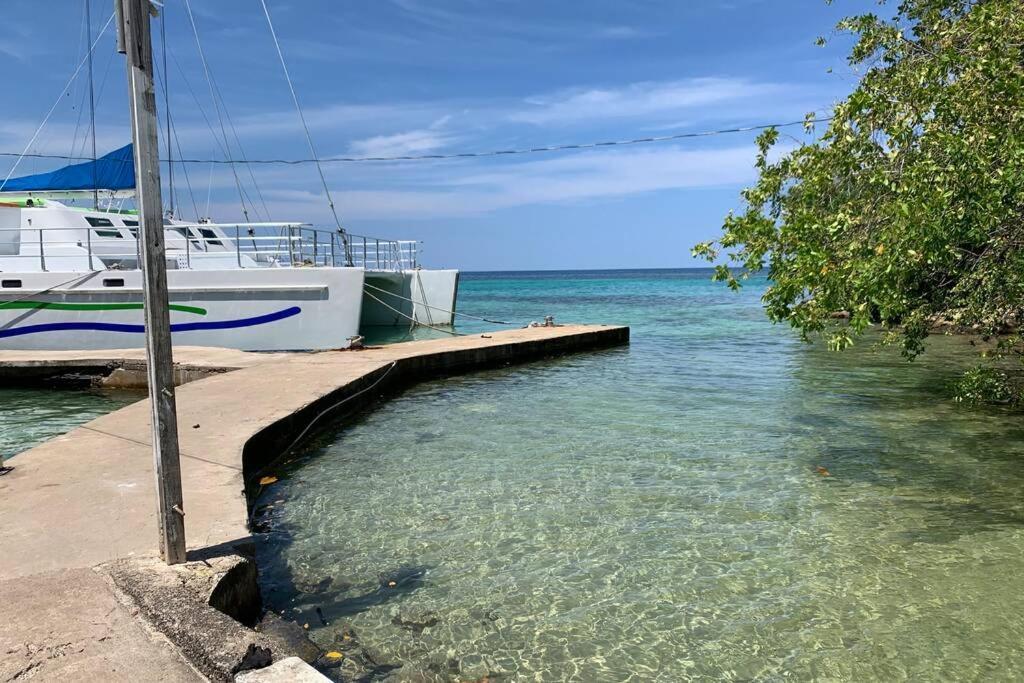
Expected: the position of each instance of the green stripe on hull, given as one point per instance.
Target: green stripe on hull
(60, 306)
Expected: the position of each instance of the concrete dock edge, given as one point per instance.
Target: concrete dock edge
(86, 500)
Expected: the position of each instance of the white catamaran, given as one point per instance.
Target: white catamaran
(70, 278)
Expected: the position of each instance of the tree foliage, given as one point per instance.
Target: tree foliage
(910, 207)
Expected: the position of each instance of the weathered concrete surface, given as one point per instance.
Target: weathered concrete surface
(177, 601)
(123, 368)
(195, 356)
(288, 670)
(87, 498)
(69, 625)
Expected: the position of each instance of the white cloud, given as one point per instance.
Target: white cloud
(620, 32)
(647, 99)
(462, 191)
(421, 141)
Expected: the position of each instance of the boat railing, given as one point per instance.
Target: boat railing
(294, 245)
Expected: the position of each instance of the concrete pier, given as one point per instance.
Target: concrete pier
(87, 498)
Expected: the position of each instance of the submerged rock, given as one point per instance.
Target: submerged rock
(291, 637)
(415, 621)
(403, 578)
(319, 586)
(356, 663)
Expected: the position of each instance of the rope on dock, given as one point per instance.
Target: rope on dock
(436, 308)
(317, 418)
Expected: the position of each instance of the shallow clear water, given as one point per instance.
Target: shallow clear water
(30, 416)
(716, 501)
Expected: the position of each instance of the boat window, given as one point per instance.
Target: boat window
(209, 236)
(10, 284)
(97, 222)
(133, 227)
(113, 282)
(191, 236)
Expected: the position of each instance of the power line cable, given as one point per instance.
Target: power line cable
(471, 155)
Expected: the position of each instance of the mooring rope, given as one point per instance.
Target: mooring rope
(317, 418)
(409, 317)
(437, 308)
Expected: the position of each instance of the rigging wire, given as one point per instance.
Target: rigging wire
(167, 106)
(242, 194)
(81, 100)
(209, 191)
(173, 130)
(213, 96)
(54, 107)
(103, 85)
(92, 106)
(241, 152)
(305, 128)
(184, 171)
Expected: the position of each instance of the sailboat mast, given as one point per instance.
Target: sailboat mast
(92, 105)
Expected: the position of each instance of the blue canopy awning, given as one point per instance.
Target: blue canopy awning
(115, 171)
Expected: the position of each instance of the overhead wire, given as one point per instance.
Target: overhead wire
(490, 153)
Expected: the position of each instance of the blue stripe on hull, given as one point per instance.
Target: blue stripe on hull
(139, 329)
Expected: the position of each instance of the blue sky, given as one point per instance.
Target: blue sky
(395, 77)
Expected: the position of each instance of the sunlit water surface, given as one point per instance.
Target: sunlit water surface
(29, 416)
(716, 501)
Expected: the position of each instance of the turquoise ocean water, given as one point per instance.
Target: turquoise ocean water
(33, 415)
(715, 502)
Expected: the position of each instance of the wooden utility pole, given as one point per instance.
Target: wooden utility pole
(135, 39)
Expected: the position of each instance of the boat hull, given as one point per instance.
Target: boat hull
(398, 298)
(249, 309)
